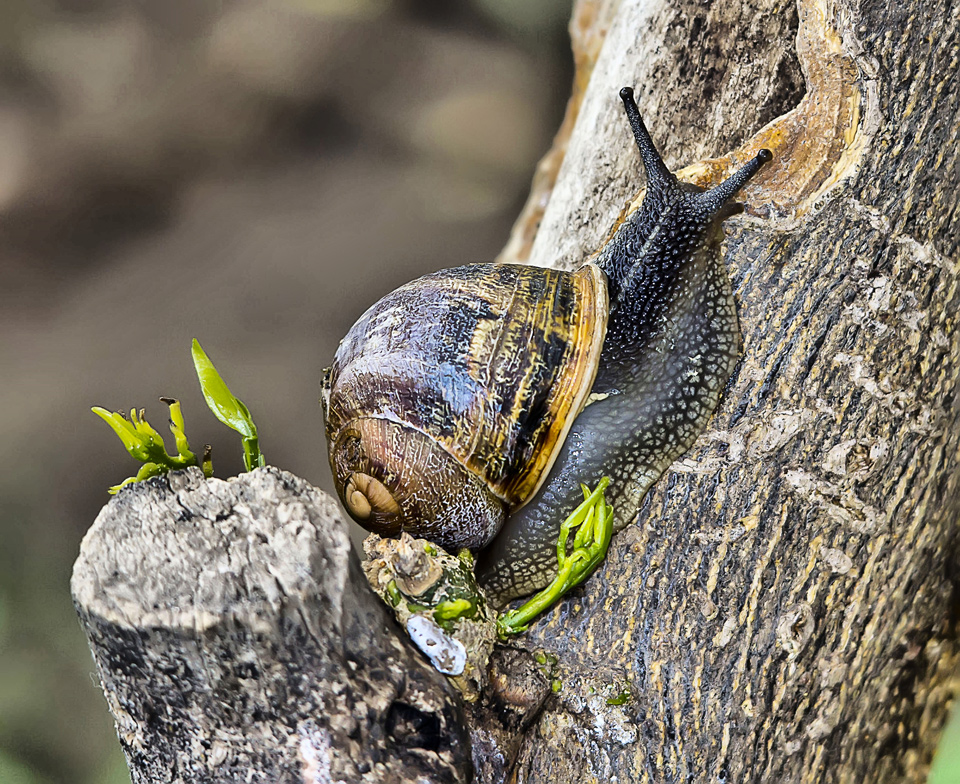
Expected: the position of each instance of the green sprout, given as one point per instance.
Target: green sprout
(593, 520)
(393, 593)
(452, 609)
(145, 444)
(227, 407)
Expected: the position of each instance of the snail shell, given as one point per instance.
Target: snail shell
(450, 398)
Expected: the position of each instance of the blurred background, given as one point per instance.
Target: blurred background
(253, 174)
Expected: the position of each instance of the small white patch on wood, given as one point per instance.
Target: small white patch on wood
(837, 561)
(826, 721)
(840, 504)
(794, 629)
(836, 460)
(927, 254)
(445, 653)
(726, 633)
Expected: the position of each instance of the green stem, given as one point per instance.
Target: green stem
(594, 520)
(251, 453)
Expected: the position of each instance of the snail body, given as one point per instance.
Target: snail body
(468, 406)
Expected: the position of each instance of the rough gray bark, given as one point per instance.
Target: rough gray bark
(236, 640)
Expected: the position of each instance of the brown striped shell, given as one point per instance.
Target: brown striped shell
(448, 400)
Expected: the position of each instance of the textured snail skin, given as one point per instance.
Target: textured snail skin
(671, 344)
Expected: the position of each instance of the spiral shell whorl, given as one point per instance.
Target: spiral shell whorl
(457, 389)
(392, 478)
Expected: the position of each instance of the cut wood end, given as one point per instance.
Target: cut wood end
(183, 551)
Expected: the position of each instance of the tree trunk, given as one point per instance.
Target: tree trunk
(785, 607)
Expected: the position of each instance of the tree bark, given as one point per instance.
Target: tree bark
(784, 609)
(237, 641)
(785, 606)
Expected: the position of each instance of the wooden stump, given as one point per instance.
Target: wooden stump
(236, 640)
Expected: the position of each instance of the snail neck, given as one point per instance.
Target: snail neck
(644, 264)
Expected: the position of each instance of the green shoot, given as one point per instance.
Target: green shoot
(593, 520)
(228, 408)
(145, 444)
(452, 609)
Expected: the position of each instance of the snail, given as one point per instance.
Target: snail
(468, 406)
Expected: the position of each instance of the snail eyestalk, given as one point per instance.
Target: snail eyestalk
(593, 520)
(145, 444)
(657, 171)
(716, 197)
(227, 407)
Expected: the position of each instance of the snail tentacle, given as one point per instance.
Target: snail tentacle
(658, 175)
(715, 198)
